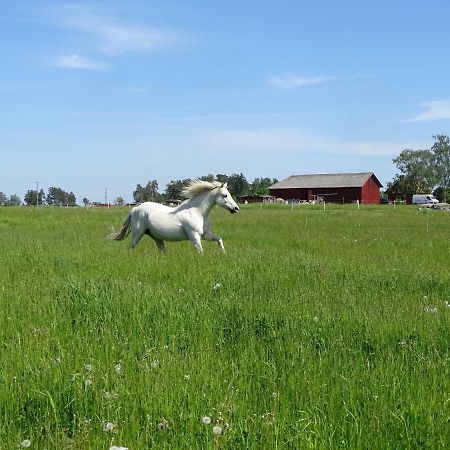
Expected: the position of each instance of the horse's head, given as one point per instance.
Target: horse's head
(225, 200)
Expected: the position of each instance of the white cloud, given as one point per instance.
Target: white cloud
(285, 141)
(435, 110)
(292, 81)
(75, 61)
(115, 36)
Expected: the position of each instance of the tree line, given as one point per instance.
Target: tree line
(12, 200)
(54, 197)
(237, 185)
(423, 171)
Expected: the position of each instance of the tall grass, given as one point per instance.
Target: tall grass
(318, 329)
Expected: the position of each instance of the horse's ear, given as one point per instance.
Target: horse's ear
(224, 185)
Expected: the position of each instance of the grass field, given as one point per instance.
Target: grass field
(317, 330)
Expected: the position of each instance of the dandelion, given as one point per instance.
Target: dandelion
(88, 367)
(206, 420)
(87, 382)
(431, 310)
(114, 447)
(216, 286)
(187, 377)
(163, 425)
(154, 364)
(217, 430)
(109, 426)
(25, 443)
(106, 395)
(118, 368)
(316, 319)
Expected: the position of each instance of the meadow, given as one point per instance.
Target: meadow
(316, 330)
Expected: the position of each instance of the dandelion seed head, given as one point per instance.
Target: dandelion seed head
(109, 426)
(217, 430)
(154, 364)
(316, 319)
(88, 367)
(206, 420)
(163, 425)
(87, 382)
(118, 368)
(25, 443)
(216, 286)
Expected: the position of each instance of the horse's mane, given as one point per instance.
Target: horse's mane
(197, 187)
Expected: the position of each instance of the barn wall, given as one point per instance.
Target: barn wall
(333, 195)
(370, 192)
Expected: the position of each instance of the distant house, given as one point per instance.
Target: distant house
(330, 187)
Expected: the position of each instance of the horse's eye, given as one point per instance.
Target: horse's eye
(224, 195)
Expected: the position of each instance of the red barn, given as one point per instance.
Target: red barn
(331, 187)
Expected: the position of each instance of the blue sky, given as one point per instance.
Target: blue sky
(109, 94)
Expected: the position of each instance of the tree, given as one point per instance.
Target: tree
(59, 197)
(418, 171)
(151, 190)
(119, 201)
(139, 194)
(149, 193)
(174, 189)
(209, 177)
(260, 186)
(3, 199)
(14, 200)
(71, 200)
(222, 178)
(441, 154)
(238, 185)
(32, 196)
(85, 201)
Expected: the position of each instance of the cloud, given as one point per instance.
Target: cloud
(75, 61)
(287, 141)
(292, 81)
(434, 110)
(113, 35)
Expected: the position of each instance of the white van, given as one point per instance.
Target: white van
(422, 199)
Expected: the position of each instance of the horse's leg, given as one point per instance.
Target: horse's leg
(208, 236)
(160, 244)
(136, 233)
(195, 238)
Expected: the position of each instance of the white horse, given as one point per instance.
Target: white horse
(190, 220)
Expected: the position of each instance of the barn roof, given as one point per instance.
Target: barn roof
(325, 180)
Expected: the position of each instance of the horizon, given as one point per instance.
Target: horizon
(111, 94)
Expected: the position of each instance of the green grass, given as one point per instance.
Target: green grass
(318, 329)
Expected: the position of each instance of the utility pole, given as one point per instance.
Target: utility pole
(37, 193)
(106, 197)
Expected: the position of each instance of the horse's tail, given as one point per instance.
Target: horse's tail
(123, 232)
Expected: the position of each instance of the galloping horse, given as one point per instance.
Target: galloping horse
(190, 220)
